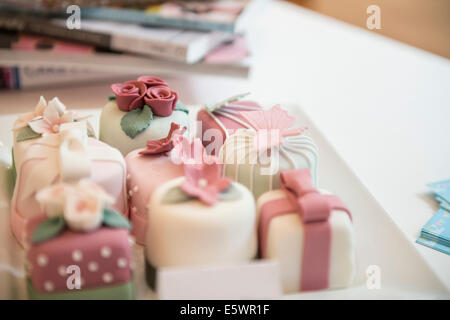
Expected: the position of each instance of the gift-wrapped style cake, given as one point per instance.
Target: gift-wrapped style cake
(218, 121)
(80, 248)
(255, 157)
(309, 232)
(51, 146)
(200, 219)
(147, 169)
(139, 111)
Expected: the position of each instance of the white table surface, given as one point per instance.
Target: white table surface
(383, 105)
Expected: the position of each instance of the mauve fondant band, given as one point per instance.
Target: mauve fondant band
(314, 209)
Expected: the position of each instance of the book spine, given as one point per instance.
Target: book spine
(136, 16)
(31, 75)
(43, 27)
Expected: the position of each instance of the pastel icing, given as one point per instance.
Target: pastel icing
(310, 234)
(145, 174)
(67, 155)
(77, 241)
(115, 292)
(226, 120)
(295, 152)
(194, 233)
(111, 131)
(103, 256)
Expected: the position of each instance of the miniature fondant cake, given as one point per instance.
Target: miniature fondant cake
(147, 169)
(310, 233)
(139, 111)
(64, 153)
(200, 219)
(80, 249)
(256, 157)
(45, 119)
(220, 120)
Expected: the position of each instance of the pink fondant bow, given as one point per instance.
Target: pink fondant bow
(314, 209)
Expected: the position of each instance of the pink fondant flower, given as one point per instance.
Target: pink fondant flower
(24, 119)
(165, 144)
(53, 116)
(151, 81)
(272, 126)
(129, 95)
(204, 181)
(161, 99)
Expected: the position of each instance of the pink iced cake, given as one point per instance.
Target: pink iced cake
(52, 145)
(220, 120)
(147, 169)
(79, 248)
(309, 232)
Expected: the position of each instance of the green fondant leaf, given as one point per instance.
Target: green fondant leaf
(115, 220)
(112, 98)
(136, 121)
(48, 229)
(13, 173)
(176, 195)
(26, 133)
(181, 107)
(212, 107)
(232, 193)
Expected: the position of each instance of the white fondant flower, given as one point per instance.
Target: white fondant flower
(52, 199)
(84, 206)
(81, 204)
(54, 115)
(23, 119)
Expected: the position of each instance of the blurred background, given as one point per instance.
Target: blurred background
(54, 43)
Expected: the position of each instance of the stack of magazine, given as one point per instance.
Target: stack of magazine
(54, 41)
(436, 232)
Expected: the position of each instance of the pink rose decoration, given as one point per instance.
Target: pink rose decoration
(129, 95)
(165, 144)
(161, 99)
(151, 81)
(205, 182)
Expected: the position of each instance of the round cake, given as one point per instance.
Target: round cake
(139, 111)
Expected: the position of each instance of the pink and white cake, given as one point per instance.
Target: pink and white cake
(200, 219)
(79, 247)
(222, 119)
(309, 232)
(255, 157)
(59, 151)
(139, 111)
(148, 168)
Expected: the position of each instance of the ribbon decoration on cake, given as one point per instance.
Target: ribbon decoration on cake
(314, 209)
(230, 108)
(65, 156)
(272, 126)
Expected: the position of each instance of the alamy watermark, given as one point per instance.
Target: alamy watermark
(374, 19)
(74, 19)
(373, 277)
(74, 279)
